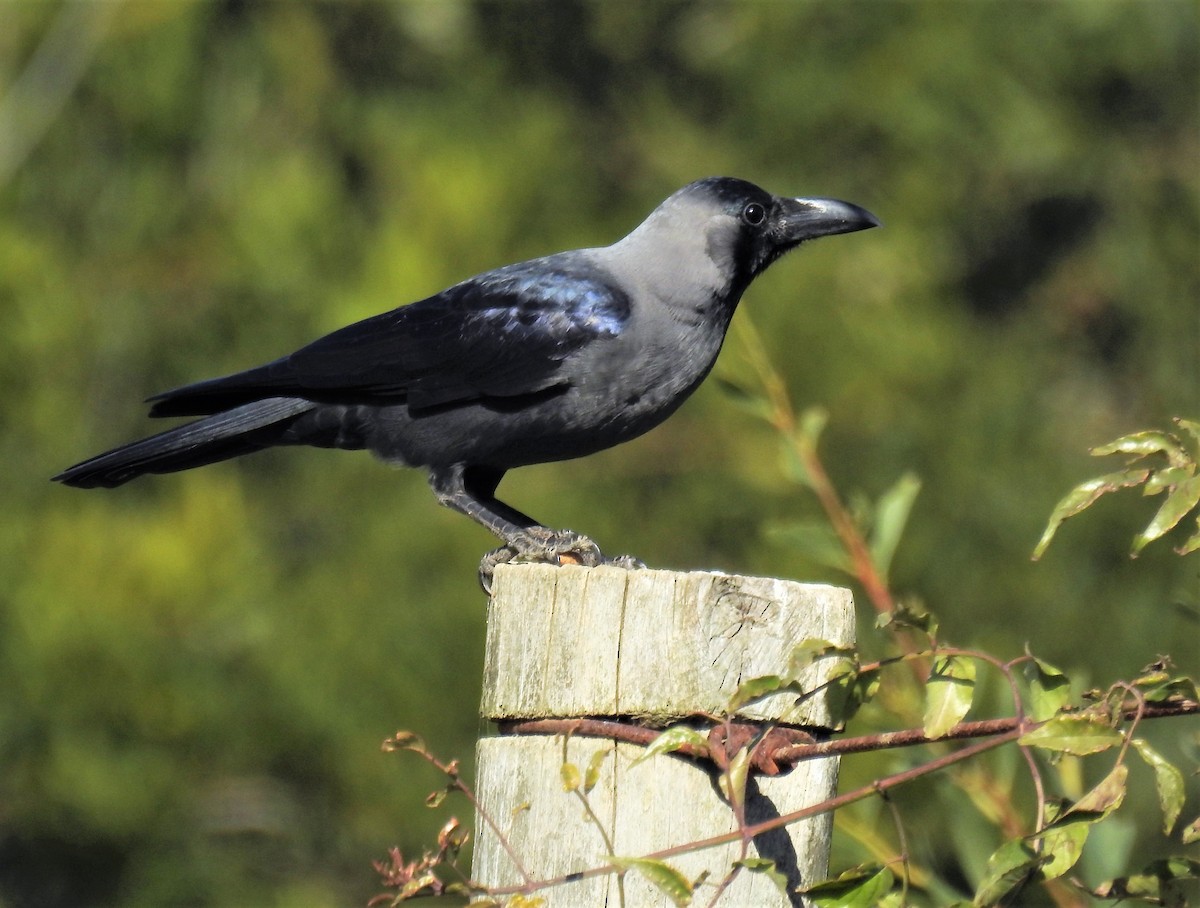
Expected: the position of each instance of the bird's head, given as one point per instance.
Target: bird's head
(747, 228)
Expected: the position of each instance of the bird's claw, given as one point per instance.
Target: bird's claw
(542, 545)
(629, 562)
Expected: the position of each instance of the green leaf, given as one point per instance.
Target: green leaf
(1177, 690)
(1143, 444)
(768, 869)
(814, 540)
(1167, 478)
(1078, 735)
(405, 740)
(808, 432)
(753, 688)
(1157, 883)
(1189, 426)
(847, 690)
(592, 775)
(909, 613)
(750, 400)
(1191, 832)
(949, 693)
(1062, 842)
(570, 775)
(1104, 798)
(891, 515)
(665, 878)
(812, 424)
(672, 740)
(1168, 781)
(1008, 869)
(859, 887)
(1084, 496)
(732, 781)
(808, 651)
(1185, 497)
(1049, 689)
(1193, 542)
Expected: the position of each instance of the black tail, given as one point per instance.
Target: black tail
(241, 430)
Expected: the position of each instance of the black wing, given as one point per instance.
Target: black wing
(504, 333)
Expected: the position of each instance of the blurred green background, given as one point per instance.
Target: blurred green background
(198, 669)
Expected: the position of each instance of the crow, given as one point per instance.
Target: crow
(545, 360)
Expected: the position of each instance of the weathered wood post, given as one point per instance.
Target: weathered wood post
(567, 642)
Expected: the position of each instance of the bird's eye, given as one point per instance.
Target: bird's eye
(754, 214)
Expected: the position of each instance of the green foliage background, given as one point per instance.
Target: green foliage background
(198, 670)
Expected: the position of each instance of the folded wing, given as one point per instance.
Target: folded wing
(503, 334)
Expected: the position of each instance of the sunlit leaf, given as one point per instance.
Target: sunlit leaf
(1166, 478)
(1177, 690)
(753, 688)
(1190, 426)
(1168, 782)
(1049, 689)
(428, 880)
(859, 887)
(1078, 735)
(1062, 842)
(452, 836)
(592, 774)
(672, 740)
(665, 878)
(1105, 797)
(520, 900)
(1178, 504)
(1191, 832)
(1008, 869)
(891, 516)
(949, 694)
(571, 777)
(812, 424)
(809, 651)
(405, 740)
(732, 781)
(1084, 496)
(1143, 444)
(768, 869)
(1192, 544)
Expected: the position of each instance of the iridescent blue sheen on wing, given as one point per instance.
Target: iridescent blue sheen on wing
(559, 302)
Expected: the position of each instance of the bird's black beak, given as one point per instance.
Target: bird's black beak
(797, 220)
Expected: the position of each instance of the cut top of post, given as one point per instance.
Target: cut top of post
(570, 641)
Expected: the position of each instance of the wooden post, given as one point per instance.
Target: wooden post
(566, 642)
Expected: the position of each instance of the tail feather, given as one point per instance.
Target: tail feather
(238, 431)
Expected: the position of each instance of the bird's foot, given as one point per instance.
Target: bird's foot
(629, 562)
(542, 545)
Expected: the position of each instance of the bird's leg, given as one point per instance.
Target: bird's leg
(471, 491)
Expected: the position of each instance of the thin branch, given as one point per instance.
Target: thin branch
(783, 418)
(624, 732)
(756, 829)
